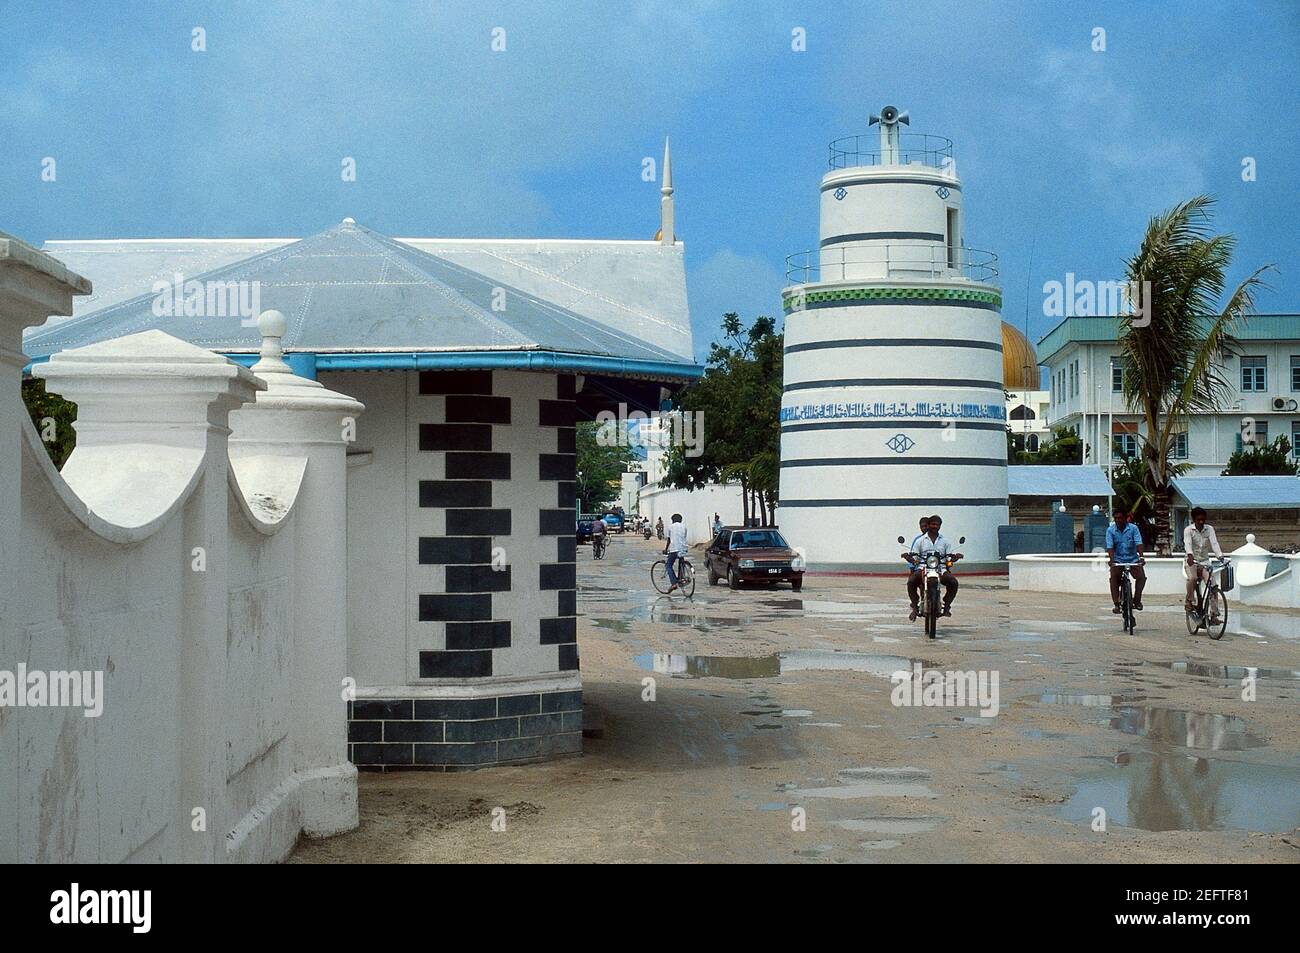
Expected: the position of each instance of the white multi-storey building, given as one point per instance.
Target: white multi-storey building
(1086, 388)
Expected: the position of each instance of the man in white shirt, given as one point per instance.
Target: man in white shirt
(1199, 542)
(675, 548)
(930, 542)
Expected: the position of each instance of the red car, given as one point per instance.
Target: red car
(753, 555)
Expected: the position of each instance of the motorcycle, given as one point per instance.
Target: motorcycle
(659, 530)
(933, 567)
(645, 531)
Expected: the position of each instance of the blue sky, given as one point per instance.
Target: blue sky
(1063, 151)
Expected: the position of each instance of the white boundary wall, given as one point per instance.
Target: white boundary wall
(192, 553)
(696, 506)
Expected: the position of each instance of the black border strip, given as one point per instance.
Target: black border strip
(892, 302)
(890, 461)
(892, 423)
(899, 501)
(895, 382)
(873, 236)
(893, 342)
(866, 180)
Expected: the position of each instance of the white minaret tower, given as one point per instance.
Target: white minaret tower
(666, 203)
(893, 406)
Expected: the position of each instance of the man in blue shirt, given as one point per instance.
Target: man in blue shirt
(1124, 545)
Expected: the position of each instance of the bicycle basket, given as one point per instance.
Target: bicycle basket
(1227, 578)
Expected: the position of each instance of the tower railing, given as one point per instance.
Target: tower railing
(913, 147)
(890, 259)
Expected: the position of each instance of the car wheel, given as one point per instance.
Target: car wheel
(796, 584)
(733, 578)
(713, 575)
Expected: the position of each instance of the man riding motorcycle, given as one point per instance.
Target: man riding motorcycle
(930, 542)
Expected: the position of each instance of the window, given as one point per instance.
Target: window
(1116, 377)
(1295, 438)
(1260, 434)
(1021, 412)
(1031, 443)
(1254, 374)
(1124, 445)
(1295, 372)
(952, 238)
(1178, 449)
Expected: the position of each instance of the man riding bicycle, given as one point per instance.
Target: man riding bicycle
(1200, 542)
(597, 536)
(675, 548)
(930, 542)
(1124, 545)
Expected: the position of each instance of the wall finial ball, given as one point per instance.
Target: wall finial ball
(1062, 508)
(1096, 508)
(349, 221)
(272, 324)
(1250, 539)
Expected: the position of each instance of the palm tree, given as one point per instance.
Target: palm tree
(1173, 349)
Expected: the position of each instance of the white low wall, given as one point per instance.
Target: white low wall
(188, 563)
(696, 506)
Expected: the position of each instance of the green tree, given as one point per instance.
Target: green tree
(603, 457)
(739, 400)
(1263, 459)
(52, 416)
(1066, 447)
(1173, 347)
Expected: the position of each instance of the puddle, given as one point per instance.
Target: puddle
(1089, 701)
(858, 783)
(1165, 791)
(1226, 672)
(1186, 729)
(879, 844)
(770, 666)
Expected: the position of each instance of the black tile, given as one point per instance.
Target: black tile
(456, 664)
(365, 730)
(558, 576)
(479, 522)
(413, 731)
(566, 549)
(540, 725)
(565, 387)
(478, 635)
(566, 440)
(448, 493)
(440, 550)
(562, 701)
(566, 495)
(569, 657)
(489, 729)
(440, 607)
(451, 754)
(455, 437)
(572, 721)
(519, 705)
(478, 410)
(556, 413)
(557, 631)
(519, 749)
(558, 523)
(455, 709)
(455, 382)
(381, 754)
(568, 603)
(381, 709)
(556, 466)
(478, 466)
(478, 579)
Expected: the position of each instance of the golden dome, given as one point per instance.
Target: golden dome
(1019, 361)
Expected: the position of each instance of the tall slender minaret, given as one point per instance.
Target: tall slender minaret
(666, 236)
(893, 404)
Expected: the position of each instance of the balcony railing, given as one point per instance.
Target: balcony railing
(913, 147)
(890, 259)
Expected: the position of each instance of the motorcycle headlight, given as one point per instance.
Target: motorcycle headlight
(797, 563)
(747, 564)
(932, 561)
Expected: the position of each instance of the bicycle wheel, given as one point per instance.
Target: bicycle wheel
(1126, 604)
(1216, 614)
(659, 576)
(686, 579)
(1193, 620)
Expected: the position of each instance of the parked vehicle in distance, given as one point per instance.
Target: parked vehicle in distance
(584, 531)
(753, 555)
(614, 521)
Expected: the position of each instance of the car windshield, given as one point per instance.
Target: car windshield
(757, 539)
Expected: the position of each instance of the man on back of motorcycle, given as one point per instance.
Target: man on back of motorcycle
(931, 542)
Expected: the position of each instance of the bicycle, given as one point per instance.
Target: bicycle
(1126, 595)
(1211, 612)
(598, 547)
(685, 576)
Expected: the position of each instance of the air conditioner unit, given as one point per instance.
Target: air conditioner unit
(1285, 403)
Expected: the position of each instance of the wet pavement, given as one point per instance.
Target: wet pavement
(763, 726)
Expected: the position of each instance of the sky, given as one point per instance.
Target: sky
(1065, 151)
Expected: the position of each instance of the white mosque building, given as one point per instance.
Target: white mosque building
(474, 359)
(893, 404)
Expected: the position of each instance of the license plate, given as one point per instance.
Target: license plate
(773, 572)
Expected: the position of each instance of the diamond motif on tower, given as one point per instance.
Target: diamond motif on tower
(942, 192)
(900, 443)
(840, 193)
